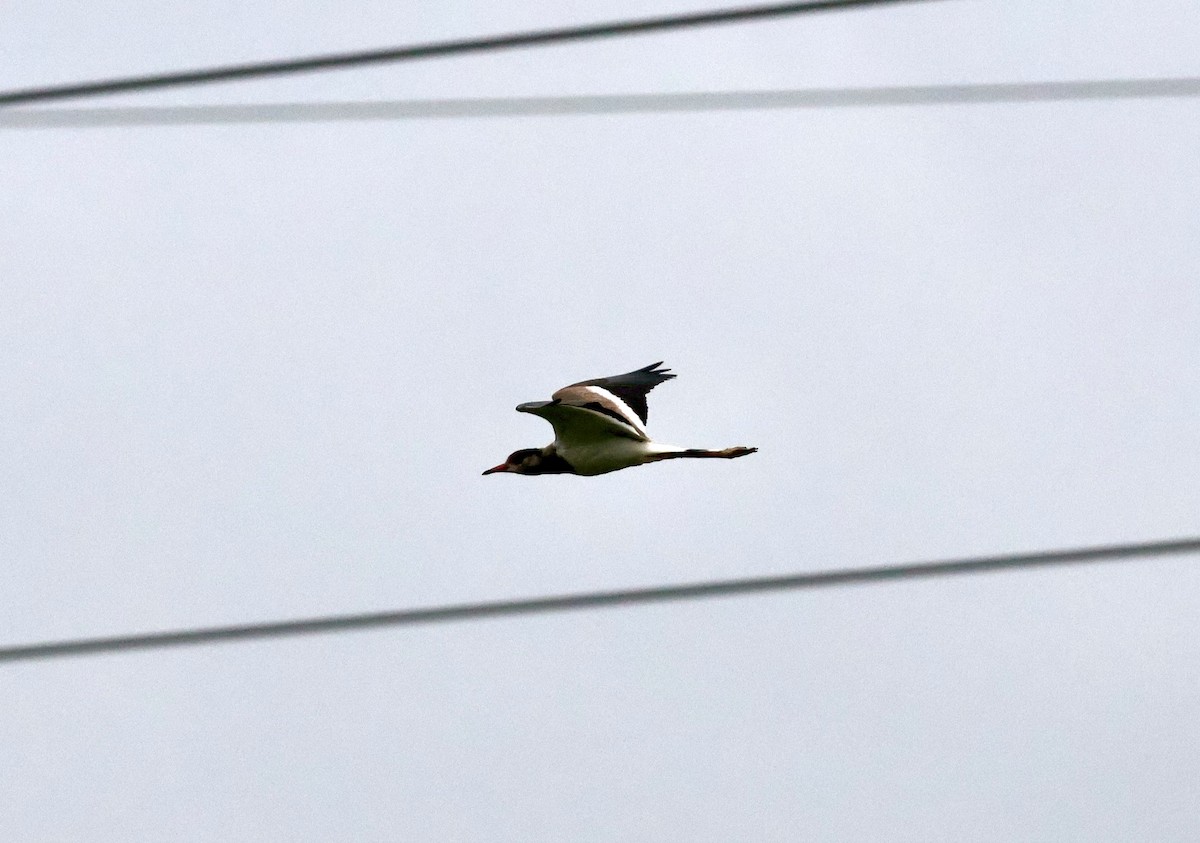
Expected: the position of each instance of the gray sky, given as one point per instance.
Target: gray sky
(255, 371)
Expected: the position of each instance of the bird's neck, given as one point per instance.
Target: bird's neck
(552, 463)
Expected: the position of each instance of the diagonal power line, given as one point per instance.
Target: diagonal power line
(437, 49)
(600, 104)
(598, 600)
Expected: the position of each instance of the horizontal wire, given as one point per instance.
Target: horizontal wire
(437, 49)
(318, 112)
(597, 600)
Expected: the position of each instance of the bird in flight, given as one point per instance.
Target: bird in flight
(600, 426)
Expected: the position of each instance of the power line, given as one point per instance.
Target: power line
(598, 600)
(713, 101)
(437, 49)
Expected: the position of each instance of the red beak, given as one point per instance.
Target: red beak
(502, 467)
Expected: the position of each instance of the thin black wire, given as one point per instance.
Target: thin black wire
(597, 600)
(437, 49)
(709, 101)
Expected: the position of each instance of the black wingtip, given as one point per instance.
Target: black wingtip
(653, 369)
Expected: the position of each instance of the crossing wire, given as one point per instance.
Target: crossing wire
(601, 104)
(437, 49)
(597, 600)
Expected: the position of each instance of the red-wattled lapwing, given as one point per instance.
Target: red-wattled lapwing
(600, 426)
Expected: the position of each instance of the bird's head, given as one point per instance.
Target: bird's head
(533, 461)
(524, 461)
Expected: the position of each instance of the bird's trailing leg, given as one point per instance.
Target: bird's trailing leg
(724, 453)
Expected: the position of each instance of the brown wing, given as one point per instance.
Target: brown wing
(631, 387)
(601, 401)
(577, 425)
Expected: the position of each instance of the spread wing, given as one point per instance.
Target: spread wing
(623, 396)
(576, 425)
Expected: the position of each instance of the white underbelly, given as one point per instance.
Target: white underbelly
(610, 455)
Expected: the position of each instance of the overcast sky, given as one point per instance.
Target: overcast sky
(254, 373)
